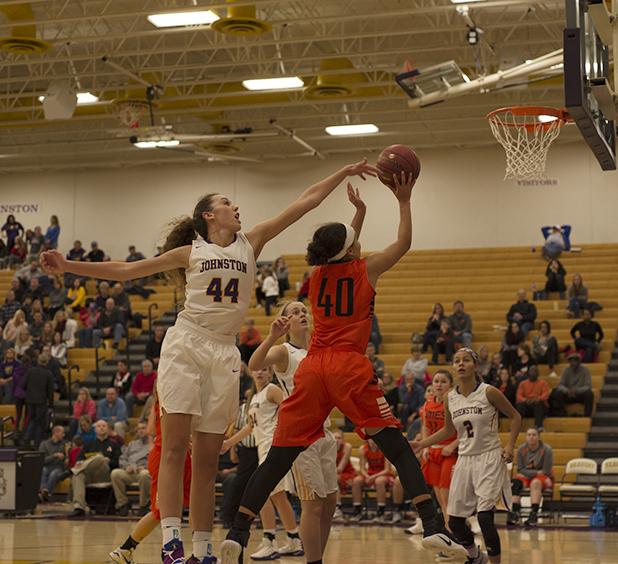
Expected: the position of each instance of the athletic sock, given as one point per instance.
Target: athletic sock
(201, 540)
(129, 544)
(293, 534)
(516, 507)
(427, 512)
(170, 527)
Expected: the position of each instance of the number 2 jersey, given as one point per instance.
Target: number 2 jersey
(219, 285)
(475, 419)
(342, 304)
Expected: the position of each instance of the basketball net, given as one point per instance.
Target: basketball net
(129, 112)
(526, 135)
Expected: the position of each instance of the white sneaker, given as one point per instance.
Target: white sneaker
(266, 551)
(397, 517)
(416, 529)
(294, 547)
(474, 525)
(440, 542)
(444, 557)
(122, 556)
(338, 515)
(231, 551)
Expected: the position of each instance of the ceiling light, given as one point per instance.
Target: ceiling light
(465, 1)
(472, 36)
(359, 129)
(83, 98)
(543, 118)
(282, 83)
(178, 19)
(154, 143)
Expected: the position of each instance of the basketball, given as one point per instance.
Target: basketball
(396, 159)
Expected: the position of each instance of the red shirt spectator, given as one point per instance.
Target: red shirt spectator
(536, 391)
(144, 381)
(250, 336)
(84, 405)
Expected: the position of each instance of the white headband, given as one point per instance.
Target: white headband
(350, 235)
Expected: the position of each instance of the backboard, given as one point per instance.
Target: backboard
(587, 82)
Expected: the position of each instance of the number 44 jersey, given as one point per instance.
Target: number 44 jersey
(220, 283)
(475, 419)
(342, 301)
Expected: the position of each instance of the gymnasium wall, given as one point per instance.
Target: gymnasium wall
(460, 200)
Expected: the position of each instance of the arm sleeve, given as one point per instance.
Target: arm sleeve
(49, 454)
(520, 393)
(468, 325)
(587, 383)
(574, 330)
(92, 410)
(509, 315)
(600, 333)
(531, 313)
(544, 391)
(123, 461)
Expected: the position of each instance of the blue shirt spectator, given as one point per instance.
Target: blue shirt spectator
(411, 399)
(53, 232)
(113, 410)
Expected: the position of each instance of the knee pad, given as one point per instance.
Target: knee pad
(516, 486)
(490, 533)
(462, 532)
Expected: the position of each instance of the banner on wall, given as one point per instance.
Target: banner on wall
(19, 208)
(540, 182)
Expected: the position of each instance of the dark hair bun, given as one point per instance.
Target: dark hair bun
(326, 243)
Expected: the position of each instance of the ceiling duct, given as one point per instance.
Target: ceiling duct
(23, 40)
(329, 84)
(241, 21)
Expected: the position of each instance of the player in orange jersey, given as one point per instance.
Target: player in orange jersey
(336, 372)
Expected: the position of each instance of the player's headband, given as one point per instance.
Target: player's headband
(475, 357)
(349, 241)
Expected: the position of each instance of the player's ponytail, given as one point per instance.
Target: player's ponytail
(183, 232)
(327, 241)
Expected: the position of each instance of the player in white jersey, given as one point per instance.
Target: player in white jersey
(199, 370)
(480, 477)
(263, 409)
(315, 470)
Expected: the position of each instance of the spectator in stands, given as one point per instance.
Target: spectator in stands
(587, 335)
(109, 325)
(153, 347)
(36, 242)
(555, 274)
(8, 367)
(345, 470)
(36, 328)
(103, 293)
(124, 304)
(375, 336)
(461, 324)
(122, 380)
(28, 272)
(513, 337)
(133, 469)
(575, 387)
(77, 252)
(249, 340)
(17, 289)
(416, 365)
(69, 331)
(94, 464)
(259, 280)
(23, 342)
(134, 255)
(3, 254)
(556, 239)
(577, 295)
(89, 318)
(432, 329)
(37, 307)
(270, 288)
(375, 472)
(8, 309)
(18, 252)
(533, 397)
(53, 232)
(95, 254)
(12, 229)
(34, 290)
(303, 291)
(55, 451)
(378, 364)
(484, 364)
(281, 272)
(15, 325)
(545, 346)
(59, 350)
(85, 428)
(60, 385)
(113, 410)
(76, 295)
(411, 399)
(506, 384)
(141, 388)
(535, 462)
(523, 362)
(522, 312)
(39, 386)
(390, 389)
(57, 297)
(444, 343)
(83, 405)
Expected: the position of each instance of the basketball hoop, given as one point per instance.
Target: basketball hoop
(526, 133)
(131, 110)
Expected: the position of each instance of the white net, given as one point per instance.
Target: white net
(131, 111)
(526, 140)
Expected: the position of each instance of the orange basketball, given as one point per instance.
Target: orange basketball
(395, 160)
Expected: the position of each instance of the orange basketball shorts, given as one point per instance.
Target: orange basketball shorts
(438, 469)
(154, 460)
(326, 379)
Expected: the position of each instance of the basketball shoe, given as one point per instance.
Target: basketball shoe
(266, 551)
(173, 552)
(232, 547)
(294, 547)
(122, 556)
(480, 558)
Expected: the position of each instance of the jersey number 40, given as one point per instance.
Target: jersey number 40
(343, 300)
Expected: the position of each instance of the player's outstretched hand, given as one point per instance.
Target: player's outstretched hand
(507, 454)
(279, 327)
(403, 186)
(354, 197)
(53, 262)
(362, 169)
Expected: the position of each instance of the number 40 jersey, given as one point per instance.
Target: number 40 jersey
(342, 302)
(475, 419)
(220, 282)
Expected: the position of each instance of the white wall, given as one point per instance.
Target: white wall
(460, 201)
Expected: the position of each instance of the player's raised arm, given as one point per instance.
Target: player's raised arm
(54, 263)
(308, 200)
(361, 209)
(380, 262)
(268, 353)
